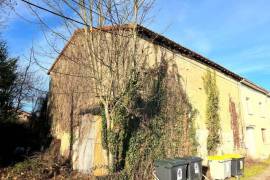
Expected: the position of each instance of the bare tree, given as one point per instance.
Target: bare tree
(111, 56)
(28, 83)
(2, 2)
(5, 7)
(111, 52)
(17, 84)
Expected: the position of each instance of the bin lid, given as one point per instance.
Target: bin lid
(233, 156)
(218, 158)
(170, 163)
(191, 159)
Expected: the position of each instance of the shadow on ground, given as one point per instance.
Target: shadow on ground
(18, 141)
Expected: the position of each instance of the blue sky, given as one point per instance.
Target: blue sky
(232, 33)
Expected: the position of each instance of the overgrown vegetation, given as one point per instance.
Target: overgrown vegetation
(40, 123)
(234, 124)
(153, 119)
(45, 165)
(8, 76)
(212, 112)
(16, 85)
(20, 140)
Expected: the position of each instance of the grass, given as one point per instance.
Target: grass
(254, 168)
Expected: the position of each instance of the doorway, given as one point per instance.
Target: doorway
(84, 145)
(250, 141)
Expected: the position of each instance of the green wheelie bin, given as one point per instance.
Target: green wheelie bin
(237, 164)
(194, 168)
(171, 169)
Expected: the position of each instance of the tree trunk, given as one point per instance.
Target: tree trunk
(109, 127)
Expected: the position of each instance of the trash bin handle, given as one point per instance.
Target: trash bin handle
(155, 176)
(205, 177)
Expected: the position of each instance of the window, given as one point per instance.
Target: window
(261, 109)
(264, 135)
(249, 106)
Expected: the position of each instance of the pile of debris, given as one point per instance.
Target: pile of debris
(35, 167)
(45, 165)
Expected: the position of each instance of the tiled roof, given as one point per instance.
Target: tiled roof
(165, 42)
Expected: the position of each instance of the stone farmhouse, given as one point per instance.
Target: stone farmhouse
(242, 104)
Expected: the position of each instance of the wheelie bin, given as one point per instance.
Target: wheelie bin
(237, 164)
(194, 168)
(220, 167)
(171, 169)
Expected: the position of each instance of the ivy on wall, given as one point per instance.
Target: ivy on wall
(180, 116)
(234, 124)
(153, 119)
(148, 142)
(212, 112)
(116, 140)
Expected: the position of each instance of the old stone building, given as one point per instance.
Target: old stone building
(243, 107)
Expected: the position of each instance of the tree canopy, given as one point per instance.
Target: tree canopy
(8, 76)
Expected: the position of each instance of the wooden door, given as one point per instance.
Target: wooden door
(84, 146)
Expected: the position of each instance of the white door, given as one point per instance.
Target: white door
(250, 141)
(85, 145)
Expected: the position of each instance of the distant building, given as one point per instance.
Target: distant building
(24, 116)
(255, 105)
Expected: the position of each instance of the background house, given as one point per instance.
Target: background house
(24, 116)
(255, 109)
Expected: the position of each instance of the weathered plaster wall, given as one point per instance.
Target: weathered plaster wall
(192, 74)
(255, 107)
(255, 113)
(70, 95)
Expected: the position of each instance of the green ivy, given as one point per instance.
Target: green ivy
(104, 130)
(212, 112)
(149, 122)
(146, 145)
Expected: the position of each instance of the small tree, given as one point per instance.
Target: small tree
(17, 84)
(8, 76)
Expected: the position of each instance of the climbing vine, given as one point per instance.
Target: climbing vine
(179, 115)
(212, 112)
(234, 124)
(147, 143)
(153, 119)
(104, 139)
(125, 121)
